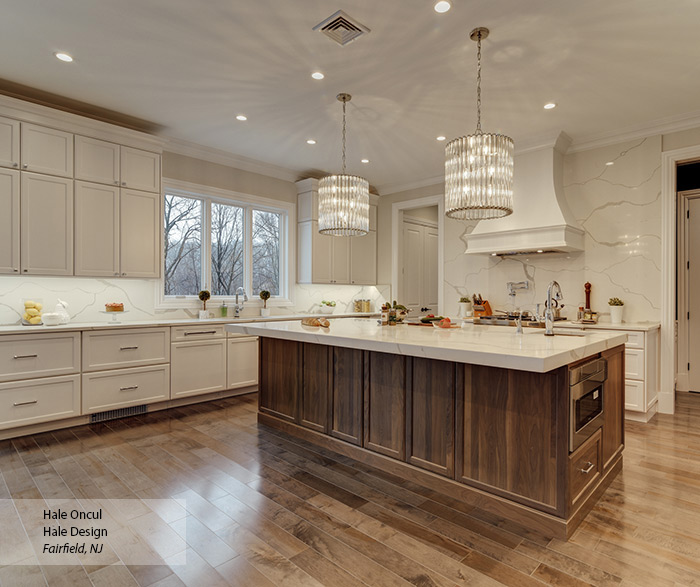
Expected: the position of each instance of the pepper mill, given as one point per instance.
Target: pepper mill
(587, 288)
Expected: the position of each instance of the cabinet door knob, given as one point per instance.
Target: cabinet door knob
(15, 165)
(15, 270)
(117, 274)
(123, 274)
(26, 270)
(124, 183)
(25, 165)
(116, 183)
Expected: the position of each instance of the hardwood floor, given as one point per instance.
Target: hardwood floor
(264, 510)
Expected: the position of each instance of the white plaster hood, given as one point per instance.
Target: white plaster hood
(541, 219)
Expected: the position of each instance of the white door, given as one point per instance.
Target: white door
(47, 150)
(340, 261)
(197, 367)
(9, 143)
(9, 221)
(96, 229)
(46, 225)
(430, 269)
(139, 234)
(693, 232)
(140, 170)
(96, 161)
(242, 362)
(363, 259)
(412, 267)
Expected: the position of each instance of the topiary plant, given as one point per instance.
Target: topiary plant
(204, 295)
(264, 296)
(615, 302)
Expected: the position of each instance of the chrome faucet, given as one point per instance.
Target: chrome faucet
(238, 307)
(519, 322)
(548, 312)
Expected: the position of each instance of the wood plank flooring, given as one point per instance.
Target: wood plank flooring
(264, 510)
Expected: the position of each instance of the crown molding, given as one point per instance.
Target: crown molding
(395, 187)
(212, 155)
(660, 126)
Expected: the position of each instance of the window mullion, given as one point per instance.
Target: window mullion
(206, 246)
(248, 251)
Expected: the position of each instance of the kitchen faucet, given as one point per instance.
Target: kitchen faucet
(238, 307)
(548, 312)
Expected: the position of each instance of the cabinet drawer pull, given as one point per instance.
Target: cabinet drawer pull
(25, 403)
(26, 356)
(590, 466)
(128, 348)
(128, 388)
(201, 332)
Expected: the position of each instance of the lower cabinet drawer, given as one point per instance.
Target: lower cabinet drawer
(24, 356)
(585, 467)
(127, 347)
(197, 367)
(111, 390)
(634, 396)
(634, 364)
(39, 400)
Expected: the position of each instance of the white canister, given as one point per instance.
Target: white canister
(616, 314)
(204, 314)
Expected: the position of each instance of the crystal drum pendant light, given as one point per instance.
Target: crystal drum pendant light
(479, 167)
(343, 200)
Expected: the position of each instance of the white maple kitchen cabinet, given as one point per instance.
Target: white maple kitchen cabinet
(46, 150)
(116, 231)
(46, 225)
(363, 259)
(108, 163)
(242, 357)
(197, 360)
(9, 221)
(9, 142)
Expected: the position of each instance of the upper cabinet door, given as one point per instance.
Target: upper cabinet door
(96, 229)
(340, 268)
(140, 170)
(9, 143)
(96, 160)
(139, 239)
(363, 259)
(9, 221)
(46, 150)
(47, 225)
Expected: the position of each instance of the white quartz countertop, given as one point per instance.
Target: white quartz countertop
(126, 323)
(495, 346)
(637, 326)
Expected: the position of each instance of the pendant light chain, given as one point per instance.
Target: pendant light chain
(478, 86)
(344, 138)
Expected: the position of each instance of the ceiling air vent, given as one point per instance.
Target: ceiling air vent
(340, 28)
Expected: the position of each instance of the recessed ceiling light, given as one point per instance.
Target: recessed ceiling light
(610, 163)
(550, 105)
(64, 57)
(241, 117)
(443, 6)
(310, 142)
(365, 160)
(317, 75)
(440, 138)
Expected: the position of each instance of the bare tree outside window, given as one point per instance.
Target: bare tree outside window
(226, 249)
(266, 252)
(182, 245)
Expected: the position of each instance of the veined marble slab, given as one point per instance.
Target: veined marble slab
(495, 346)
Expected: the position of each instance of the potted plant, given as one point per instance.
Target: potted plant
(616, 308)
(401, 311)
(264, 296)
(465, 306)
(204, 295)
(327, 306)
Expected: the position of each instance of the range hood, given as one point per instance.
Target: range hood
(541, 220)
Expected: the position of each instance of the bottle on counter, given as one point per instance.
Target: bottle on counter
(579, 314)
(224, 309)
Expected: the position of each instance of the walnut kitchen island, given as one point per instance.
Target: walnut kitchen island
(480, 413)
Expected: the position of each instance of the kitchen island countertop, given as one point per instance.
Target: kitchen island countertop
(493, 346)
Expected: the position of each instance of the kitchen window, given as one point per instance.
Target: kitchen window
(221, 241)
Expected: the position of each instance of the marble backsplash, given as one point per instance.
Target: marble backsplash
(86, 298)
(619, 208)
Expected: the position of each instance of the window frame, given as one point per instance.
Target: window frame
(248, 202)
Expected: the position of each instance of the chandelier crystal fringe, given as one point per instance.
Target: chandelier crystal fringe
(343, 200)
(479, 167)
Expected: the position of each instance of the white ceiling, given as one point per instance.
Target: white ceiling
(192, 66)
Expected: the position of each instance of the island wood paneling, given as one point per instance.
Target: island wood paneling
(280, 377)
(313, 404)
(431, 416)
(386, 381)
(511, 434)
(614, 405)
(346, 408)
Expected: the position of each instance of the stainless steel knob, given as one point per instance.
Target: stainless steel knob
(15, 165)
(25, 165)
